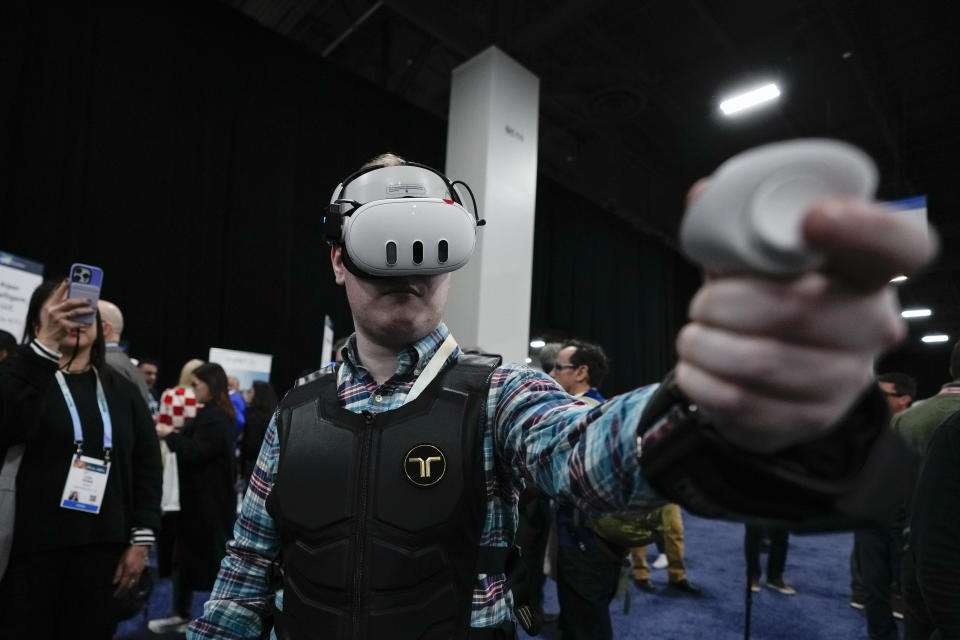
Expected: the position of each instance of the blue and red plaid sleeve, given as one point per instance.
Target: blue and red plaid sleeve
(576, 452)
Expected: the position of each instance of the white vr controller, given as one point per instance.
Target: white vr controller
(401, 221)
(749, 216)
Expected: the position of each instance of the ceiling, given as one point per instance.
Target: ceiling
(629, 90)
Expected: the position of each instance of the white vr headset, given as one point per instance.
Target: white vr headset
(401, 221)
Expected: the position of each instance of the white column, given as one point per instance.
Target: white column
(492, 146)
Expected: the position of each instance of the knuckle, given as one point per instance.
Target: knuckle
(686, 340)
(701, 300)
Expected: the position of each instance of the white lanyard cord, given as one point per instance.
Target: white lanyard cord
(432, 369)
(429, 372)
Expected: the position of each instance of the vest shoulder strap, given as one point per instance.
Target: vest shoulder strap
(471, 372)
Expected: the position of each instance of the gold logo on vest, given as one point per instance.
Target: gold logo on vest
(424, 465)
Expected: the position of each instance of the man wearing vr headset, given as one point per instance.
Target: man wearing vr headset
(383, 504)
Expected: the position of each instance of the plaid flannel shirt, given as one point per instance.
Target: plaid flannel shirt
(532, 430)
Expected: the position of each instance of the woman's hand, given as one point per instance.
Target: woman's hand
(163, 430)
(128, 571)
(54, 318)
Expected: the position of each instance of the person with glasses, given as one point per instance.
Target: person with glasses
(875, 563)
(930, 558)
(588, 567)
(900, 390)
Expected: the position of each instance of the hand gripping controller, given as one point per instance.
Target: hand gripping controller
(749, 217)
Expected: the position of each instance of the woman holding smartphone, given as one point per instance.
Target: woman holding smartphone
(88, 485)
(208, 502)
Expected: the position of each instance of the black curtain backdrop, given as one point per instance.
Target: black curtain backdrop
(189, 153)
(596, 277)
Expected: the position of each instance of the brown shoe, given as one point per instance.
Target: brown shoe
(644, 585)
(683, 587)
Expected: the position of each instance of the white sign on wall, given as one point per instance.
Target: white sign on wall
(245, 366)
(326, 352)
(18, 278)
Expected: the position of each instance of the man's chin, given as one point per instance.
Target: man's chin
(400, 332)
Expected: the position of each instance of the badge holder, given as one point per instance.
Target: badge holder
(86, 476)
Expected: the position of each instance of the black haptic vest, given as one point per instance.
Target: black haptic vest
(379, 515)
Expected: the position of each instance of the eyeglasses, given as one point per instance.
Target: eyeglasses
(564, 365)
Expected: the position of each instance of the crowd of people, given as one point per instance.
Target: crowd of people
(380, 497)
(88, 445)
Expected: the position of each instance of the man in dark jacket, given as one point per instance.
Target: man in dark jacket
(917, 426)
(932, 561)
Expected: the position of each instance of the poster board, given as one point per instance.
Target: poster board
(246, 366)
(18, 278)
(326, 352)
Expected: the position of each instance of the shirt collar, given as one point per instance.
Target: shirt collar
(411, 359)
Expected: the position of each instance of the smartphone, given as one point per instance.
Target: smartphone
(85, 282)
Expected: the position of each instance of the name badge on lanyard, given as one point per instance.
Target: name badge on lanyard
(86, 476)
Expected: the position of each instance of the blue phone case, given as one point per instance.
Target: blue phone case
(85, 282)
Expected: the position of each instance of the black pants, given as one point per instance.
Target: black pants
(165, 542)
(777, 558)
(877, 570)
(856, 583)
(61, 594)
(182, 595)
(586, 582)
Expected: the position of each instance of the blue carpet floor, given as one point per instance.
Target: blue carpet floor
(817, 566)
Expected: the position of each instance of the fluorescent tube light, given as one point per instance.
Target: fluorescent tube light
(916, 313)
(749, 99)
(896, 279)
(537, 344)
(934, 338)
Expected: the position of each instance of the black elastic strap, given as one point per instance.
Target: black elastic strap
(493, 560)
(850, 477)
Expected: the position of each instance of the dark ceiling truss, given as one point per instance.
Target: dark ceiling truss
(629, 89)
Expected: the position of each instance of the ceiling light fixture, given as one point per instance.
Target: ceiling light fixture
(749, 99)
(916, 313)
(896, 279)
(935, 338)
(537, 344)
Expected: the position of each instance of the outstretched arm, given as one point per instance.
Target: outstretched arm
(575, 452)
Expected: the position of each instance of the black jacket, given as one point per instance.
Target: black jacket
(258, 419)
(935, 528)
(33, 412)
(208, 501)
